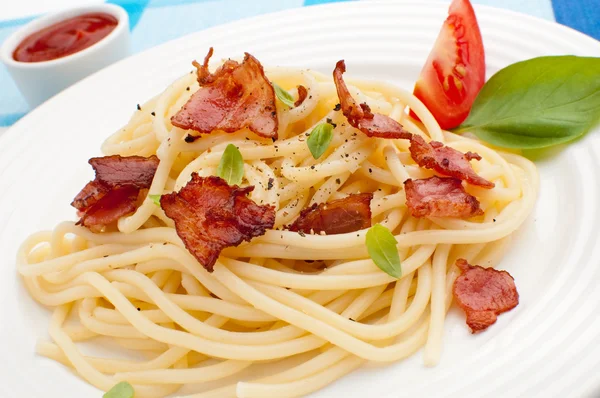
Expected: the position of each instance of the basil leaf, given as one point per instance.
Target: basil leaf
(319, 139)
(120, 390)
(155, 199)
(231, 166)
(537, 103)
(381, 246)
(283, 95)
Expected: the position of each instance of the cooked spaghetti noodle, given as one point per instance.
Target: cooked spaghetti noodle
(316, 304)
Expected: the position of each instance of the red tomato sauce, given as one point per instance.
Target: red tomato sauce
(65, 38)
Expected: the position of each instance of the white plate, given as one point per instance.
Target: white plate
(548, 346)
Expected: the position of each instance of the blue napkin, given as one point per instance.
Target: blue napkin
(148, 29)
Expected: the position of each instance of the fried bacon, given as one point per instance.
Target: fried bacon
(116, 170)
(211, 215)
(446, 161)
(234, 97)
(483, 293)
(89, 195)
(360, 116)
(302, 94)
(440, 197)
(117, 190)
(116, 203)
(340, 216)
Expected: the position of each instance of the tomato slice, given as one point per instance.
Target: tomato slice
(455, 70)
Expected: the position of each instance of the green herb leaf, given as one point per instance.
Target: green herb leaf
(120, 390)
(231, 166)
(155, 199)
(319, 139)
(283, 95)
(537, 103)
(381, 246)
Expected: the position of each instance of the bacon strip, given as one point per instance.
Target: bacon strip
(302, 94)
(117, 190)
(483, 293)
(340, 216)
(360, 116)
(440, 197)
(116, 170)
(211, 215)
(446, 161)
(116, 203)
(234, 97)
(89, 195)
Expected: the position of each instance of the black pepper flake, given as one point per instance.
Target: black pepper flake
(347, 155)
(187, 88)
(274, 139)
(190, 138)
(338, 181)
(370, 170)
(329, 121)
(106, 255)
(139, 108)
(153, 113)
(494, 220)
(353, 320)
(273, 113)
(270, 183)
(302, 234)
(139, 309)
(312, 167)
(337, 107)
(165, 243)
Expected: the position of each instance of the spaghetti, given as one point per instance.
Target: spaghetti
(315, 305)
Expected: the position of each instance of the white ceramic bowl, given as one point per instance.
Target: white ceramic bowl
(39, 81)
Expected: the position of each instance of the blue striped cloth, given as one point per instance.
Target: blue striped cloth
(148, 29)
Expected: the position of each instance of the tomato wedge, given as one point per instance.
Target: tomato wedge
(455, 70)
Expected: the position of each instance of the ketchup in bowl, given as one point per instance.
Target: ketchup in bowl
(65, 38)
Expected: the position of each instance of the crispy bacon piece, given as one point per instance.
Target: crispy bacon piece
(234, 97)
(116, 203)
(116, 190)
(89, 195)
(440, 197)
(302, 94)
(483, 293)
(446, 161)
(336, 217)
(211, 215)
(116, 170)
(360, 116)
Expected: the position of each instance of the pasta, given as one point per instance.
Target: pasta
(315, 305)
